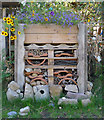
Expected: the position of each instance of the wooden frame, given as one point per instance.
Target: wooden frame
(51, 34)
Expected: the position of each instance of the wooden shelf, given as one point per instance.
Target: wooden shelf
(63, 58)
(54, 67)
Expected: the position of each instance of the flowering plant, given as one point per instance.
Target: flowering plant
(46, 13)
(40, 12)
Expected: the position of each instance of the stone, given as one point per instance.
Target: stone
(12, 113)
(72, 88)
(38, 70)
(88, 93)
(28, 69)
(34, 83)
(25, 109)
(27, 80)
(76, 95)
(28, 91)
(67, 101)
(42, 83)
(89, 85)
(38, 82)
(23, 114)
(13, 85)
(55, 90)
(34, 75)
(41, 92)
(18, 91)
(51, 104)
(11, 95)
(21, 95)
(35, 89)
(85, 102)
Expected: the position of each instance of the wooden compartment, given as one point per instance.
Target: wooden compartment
(55, 49)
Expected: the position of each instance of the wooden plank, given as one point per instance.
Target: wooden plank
(49, 46)
(51, 38)
(1, 39)
(20, 58)
(50, 28)
(54, 67)
(15, 56)
(86, 61)
(9, 44)
(68, 58)
(81, 68)
(50, 70)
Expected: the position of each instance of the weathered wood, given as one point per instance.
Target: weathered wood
(15, 54)
(63, 58)
(1, 39)
(86, 61)
(20, 58)
(9, 44)
(50, 38)
(50, 28)
(49, 46)
(81, 67)
(50, 70)
(54, 67)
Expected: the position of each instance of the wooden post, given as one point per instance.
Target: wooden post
(1, 39)
(82, 58)
(20, 57)
(50, 69)
(15, 56)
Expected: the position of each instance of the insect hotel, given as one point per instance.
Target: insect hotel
(50, 59)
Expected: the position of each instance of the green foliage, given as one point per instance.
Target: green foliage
(6, 66)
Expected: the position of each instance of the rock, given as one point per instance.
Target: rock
(76, 95)
(13, 85)
(28, 91)
(67, 101)
(28, 69)
(18, 91)
(38, 82)
(88, 93)
(12, 113)
(27, 80)
(42, 83)
(38, 70)
(72, 88)
(85, 102)
(33, 83)
(51, 104)
(89, 85)
(25, 109)
(11, 95)
(21, 95)
(55, 90)
(34, 75)
(23, 114)
(41, 92)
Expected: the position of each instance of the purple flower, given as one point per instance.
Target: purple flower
(52, 13)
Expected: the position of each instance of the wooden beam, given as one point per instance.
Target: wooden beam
(54, 67)
(82, 59)
(53, 47)
(50, 70)
(50, 29)
(51, 38)
(20, 58)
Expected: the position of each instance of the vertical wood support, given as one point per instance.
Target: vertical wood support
(15, 56)
(50, 69)
(82, 58)
(4, 40)
(20, 57)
